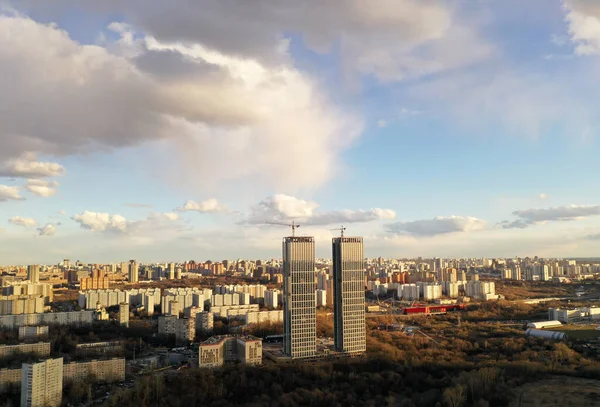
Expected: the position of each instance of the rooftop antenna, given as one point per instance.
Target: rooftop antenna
(341, 230)
(293, 225)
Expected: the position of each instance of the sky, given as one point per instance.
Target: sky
(171, 131)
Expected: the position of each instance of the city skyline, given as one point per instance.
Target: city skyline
(429, 128)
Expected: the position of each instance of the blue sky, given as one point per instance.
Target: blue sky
(432, 128)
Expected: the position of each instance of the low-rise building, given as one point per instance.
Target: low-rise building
(218, 350)
(95, 349)
(264, 316)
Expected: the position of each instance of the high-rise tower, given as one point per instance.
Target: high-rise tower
(349, 295)
(299, 309)
(33, 273)
(133, 271)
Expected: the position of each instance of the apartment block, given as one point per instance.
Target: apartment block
(21, 304)
(42, 383)
(40, 349)
(49, 318)
(106, 371)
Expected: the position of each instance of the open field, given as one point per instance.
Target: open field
(514, 290)
(578, 331)
(560, 392)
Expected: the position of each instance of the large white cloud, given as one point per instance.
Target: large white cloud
(105, 222)
(25, 222)
(529, 217)
(27, 166)
(41, 187)
(285, 208)
(209, 206)
(437, 226)
(7, 193)
(583, 19)
(390, 39)
(101, 222)
(231, 107)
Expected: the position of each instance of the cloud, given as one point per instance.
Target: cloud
(284, 208)
(592, 236)
(351, 216)
(48, 230)
(583, 21)
(170, 216)
(382, 123)
(437, 226)
(25, 222)
(27, 167)
(208, 206)
(62, 212)
(118, 95)
(101, 222)
(41, 187)
(117, 224)
(390, 40)
(543, 196)
(529, 217)
(138, 205)
(7, 193)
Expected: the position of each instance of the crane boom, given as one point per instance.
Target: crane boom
(341, 230)
(293, 225)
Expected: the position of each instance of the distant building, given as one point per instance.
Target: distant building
(97, 349)
(133, 272)
(33, 273)
(258, 317)
(104, 371)
(21, 304)
(219, 350)
(42, 383)
(40, 349)
(408, 292)
(49, 318)
(124, 314)
(184, 329)
(97, 281)
(321, 298)
(32, 332)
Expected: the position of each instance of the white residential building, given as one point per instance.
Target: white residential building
(42, 383)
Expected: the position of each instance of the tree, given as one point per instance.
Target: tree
(455, 396)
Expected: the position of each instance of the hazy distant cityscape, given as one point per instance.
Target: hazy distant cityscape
(208, 314)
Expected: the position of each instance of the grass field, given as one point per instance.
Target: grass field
(559, 392)
(578, 331)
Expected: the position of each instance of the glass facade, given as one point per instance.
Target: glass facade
(299, 287)
(349, 295)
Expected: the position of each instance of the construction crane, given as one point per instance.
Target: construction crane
(293, 225)
(342, 229)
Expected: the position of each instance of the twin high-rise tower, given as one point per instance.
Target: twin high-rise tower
(299, 320)
(349, 330)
